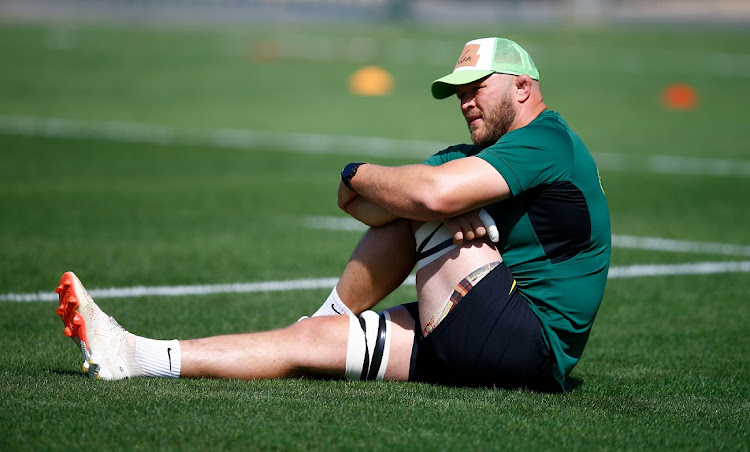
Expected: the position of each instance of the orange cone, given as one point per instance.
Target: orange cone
(680, 96)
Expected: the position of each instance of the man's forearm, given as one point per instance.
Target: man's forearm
(423, 192)
(406, 191)
(368, 212)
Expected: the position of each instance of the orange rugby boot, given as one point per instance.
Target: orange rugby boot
(102, 341)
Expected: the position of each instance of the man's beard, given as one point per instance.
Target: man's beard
(496, 123)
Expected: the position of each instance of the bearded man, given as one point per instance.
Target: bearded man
(514, 311)
(531, 315)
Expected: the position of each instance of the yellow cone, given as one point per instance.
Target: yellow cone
(371, 81)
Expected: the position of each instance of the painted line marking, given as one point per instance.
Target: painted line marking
(179, 291)
(697, 268)
(223, 138)
(618, 241)
(334, 223)
(328, 144)
(629, 271)
(679, 246)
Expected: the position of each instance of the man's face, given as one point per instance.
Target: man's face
(488, 108)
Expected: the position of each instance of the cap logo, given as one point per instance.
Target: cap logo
(469, 56)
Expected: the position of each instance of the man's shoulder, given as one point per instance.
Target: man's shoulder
(549, 125)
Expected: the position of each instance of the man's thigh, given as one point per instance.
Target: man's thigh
(402, 341)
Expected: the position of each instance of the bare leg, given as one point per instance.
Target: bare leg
(402, 343)
(379, 265)
(315, 346)
(312, 346)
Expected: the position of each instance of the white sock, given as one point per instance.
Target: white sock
(333, 306)
(158, 358)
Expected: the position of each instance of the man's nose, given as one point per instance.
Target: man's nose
(467, 103)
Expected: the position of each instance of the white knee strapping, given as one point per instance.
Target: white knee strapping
(369, 345)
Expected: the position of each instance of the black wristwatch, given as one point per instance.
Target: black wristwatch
(348, 173)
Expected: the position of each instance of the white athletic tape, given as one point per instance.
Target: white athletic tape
(356, 348)
(361, 351)
(387, 350)
(372, 321)
(489, 224)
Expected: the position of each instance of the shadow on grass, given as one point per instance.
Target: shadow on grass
(68, 373)
(572, 383)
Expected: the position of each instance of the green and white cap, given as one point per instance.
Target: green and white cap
(482, 57)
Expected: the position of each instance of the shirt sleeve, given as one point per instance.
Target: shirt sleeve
(531, 156)
(452, 153)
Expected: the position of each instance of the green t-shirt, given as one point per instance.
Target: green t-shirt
(554, 229)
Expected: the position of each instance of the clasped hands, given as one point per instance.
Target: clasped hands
(472, 225)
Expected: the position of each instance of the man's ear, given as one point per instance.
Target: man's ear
(523, 85)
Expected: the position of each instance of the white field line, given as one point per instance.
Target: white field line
(179, 291)
(695, 268)
(679, 246)
(334, 223)
(328, 144)
(349, 224)
(630, 271)
(618, 241)
(223, 138)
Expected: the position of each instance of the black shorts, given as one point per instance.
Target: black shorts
(491, 338)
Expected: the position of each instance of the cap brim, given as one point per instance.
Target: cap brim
(446, 86)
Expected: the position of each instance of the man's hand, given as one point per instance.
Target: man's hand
(346, 195)
(472, 224)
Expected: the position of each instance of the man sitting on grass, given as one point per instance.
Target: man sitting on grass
(513, 314)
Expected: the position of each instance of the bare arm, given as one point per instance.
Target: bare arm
(423, 192)
(362, 209)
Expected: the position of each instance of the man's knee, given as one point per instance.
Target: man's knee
(369, 345)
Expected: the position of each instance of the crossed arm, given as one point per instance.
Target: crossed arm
(383, 196)
(422, 192)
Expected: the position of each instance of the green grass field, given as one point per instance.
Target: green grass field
(667, 366)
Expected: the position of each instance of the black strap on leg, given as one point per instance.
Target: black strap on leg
(377, 353)
(366, 362)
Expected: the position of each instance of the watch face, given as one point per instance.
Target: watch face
(348, 173)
